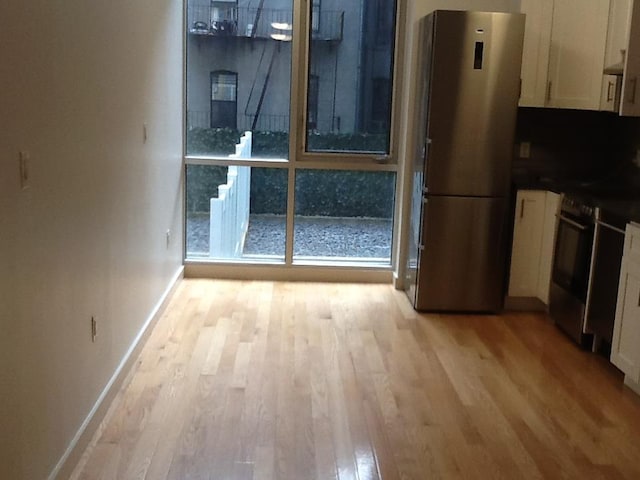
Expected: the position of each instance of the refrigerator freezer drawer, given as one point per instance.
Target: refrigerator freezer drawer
(462, 258)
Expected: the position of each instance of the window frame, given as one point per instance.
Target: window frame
(301, 56)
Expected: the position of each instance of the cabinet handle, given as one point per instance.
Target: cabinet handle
(633, 81)
(610, 227)
(549, 91)
(522, 208)
(609, 91)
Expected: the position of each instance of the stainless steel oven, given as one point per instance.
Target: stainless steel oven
(571, 266)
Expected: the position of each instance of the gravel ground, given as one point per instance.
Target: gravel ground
(313, 236)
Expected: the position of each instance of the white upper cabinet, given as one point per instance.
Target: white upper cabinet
(576, 57)
(630, 101)
(564, 53)
(535, 53)
(614, 56)
(618, 32)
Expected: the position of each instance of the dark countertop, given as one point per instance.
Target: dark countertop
(618, 195)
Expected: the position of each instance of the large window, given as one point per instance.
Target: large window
(318, 189)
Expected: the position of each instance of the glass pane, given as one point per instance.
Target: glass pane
(223, 87)
(343, 215)
(350, 73)
(236, 213)
(238, 77)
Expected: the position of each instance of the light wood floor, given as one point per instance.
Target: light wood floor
(262, 380)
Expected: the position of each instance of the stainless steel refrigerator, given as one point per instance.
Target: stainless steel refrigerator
(470, 84)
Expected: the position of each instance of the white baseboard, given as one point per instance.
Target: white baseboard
(73, 455)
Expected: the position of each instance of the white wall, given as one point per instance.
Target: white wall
(415, 10)
(77, 81)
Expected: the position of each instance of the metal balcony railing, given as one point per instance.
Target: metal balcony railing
(198, 119)
(206, 20)
(265, 123)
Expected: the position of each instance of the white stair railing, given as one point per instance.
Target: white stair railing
(229, 214)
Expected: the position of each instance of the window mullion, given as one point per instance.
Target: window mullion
(297, 111)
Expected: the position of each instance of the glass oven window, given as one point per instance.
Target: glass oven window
(572, 258)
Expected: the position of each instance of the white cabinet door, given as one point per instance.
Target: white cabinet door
(527, 243)
(630, 102)
(625, 348)
(535, 53)
(576, 56)
(551, 207)
(618, 31)
(615, 51)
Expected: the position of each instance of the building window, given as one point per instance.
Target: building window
(224, 99)
(224, 17)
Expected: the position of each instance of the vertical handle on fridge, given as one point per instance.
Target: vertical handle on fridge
(478, 56)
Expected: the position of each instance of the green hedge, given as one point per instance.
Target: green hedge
(202, 185)
(320, 192)
(221, 141)
(212, 141)
(347, 142)
(269, 190)
(340, 193)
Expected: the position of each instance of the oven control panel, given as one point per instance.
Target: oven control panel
(577, 208)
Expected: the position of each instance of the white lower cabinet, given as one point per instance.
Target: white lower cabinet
(625, 348)
(532, 248)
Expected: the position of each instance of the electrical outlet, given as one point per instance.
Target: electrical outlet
(168, 237)
(25, 169)
(525, 149)
(94, 329)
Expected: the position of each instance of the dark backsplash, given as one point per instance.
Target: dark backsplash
(577, 146)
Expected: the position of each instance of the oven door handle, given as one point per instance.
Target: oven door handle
(579, 226)
(611, 227)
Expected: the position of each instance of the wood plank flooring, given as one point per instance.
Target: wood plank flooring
(284, 381)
